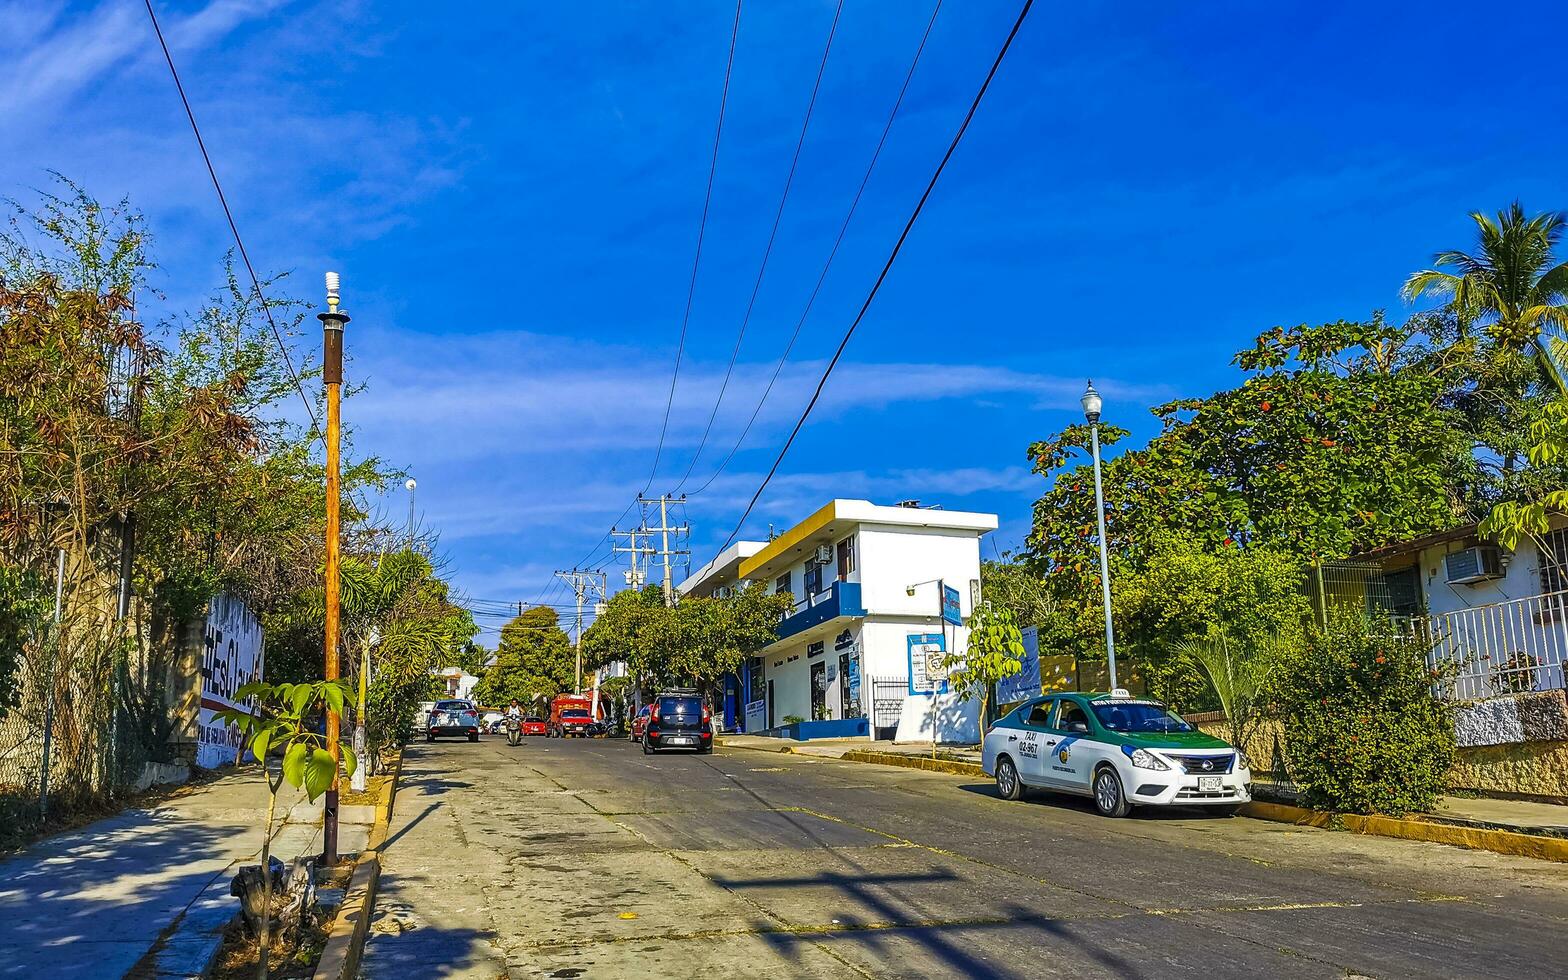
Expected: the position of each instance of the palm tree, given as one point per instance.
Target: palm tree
(1512, 282)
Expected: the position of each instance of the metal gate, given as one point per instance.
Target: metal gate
(887, 705)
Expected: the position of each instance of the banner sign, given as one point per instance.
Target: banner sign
(756, 716)
(952, 612)
(926, 652)
(1025, 683)
(232, 656)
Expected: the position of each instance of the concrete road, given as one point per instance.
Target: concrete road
(588, 859)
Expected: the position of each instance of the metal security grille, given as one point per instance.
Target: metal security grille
(887, 705)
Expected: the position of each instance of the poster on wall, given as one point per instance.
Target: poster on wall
(756, 716)
(231, 657)
(926, 652)
(1025, 683)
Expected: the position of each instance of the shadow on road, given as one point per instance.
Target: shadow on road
(1082, 804)
(893, 921)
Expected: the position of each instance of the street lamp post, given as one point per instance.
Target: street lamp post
(1091, 410)
(332, 323)
(410, 485)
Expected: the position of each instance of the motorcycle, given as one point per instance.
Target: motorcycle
(514, 731)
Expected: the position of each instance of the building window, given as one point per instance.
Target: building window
(846, 557)
(813, 579)
(1554, 561)
(783, 584)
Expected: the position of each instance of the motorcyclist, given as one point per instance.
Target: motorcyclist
(514, 718)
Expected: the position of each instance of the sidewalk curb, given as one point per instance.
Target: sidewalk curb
(915, 762)
(346, 940)
(1506, 842)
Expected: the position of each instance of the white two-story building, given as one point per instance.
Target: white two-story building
(860, 654)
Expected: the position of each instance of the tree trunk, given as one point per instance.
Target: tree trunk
(266, 884)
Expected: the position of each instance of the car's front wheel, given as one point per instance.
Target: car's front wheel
(1109, 797)
(1007, 782)
(647, 747)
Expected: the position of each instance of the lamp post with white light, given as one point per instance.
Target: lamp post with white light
(1091, 410)
(411, 485)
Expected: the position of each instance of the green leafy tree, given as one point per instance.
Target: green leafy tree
(1512, 283)
(1245, 600)
(695, 642)
(994, 653)
(1340, 439)
(1513, 521)
(1363, 729)
(1012, 585)
(533, 659)
(279, 726)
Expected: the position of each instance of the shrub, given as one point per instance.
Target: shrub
(1363, 729)
(793, 719)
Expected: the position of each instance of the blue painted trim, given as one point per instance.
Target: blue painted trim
(805, 731)
(843, 599)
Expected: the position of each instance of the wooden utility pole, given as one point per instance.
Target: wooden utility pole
(332, 323)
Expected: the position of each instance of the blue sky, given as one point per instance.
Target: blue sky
(511, 192)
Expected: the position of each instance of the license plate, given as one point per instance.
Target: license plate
(1208, 784)
(680, 741)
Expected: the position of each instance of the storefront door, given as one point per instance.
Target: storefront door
(819, 690)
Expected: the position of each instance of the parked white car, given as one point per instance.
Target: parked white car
(1118, 750)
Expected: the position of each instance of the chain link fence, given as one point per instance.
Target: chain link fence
(89, 717)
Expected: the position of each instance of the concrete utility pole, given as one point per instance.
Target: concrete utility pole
(636, 577)
(581, 581)
(332, 323)
(663, 530)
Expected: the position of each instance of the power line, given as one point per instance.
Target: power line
(239, 243)
(832, 253)
(767, 252)
(886, 268)
(702, 228)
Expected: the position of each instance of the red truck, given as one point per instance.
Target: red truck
(570, 714)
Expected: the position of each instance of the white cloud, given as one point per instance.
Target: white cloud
(523, 394)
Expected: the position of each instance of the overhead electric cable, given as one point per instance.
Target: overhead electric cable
(767, 252)
(239, 243)
(702, 228)
(832, 253)
(886, 268)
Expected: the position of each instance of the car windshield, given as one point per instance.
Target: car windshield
(575, 713)
(532, 718)
(1137, 716)
(453, 706)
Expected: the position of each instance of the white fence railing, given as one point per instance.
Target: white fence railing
(1503, 648)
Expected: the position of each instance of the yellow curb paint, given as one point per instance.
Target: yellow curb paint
(915, 762)
(627, 915)
(1475, 838)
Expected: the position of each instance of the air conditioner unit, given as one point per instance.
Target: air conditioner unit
(1481, 563)
(824, 554)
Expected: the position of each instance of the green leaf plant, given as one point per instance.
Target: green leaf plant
(278, 728)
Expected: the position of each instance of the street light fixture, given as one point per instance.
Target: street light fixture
(1092, 403)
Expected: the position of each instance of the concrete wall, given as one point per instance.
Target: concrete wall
(1522, 578)
(894, 558)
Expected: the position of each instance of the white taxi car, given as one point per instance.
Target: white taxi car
(1118, 750)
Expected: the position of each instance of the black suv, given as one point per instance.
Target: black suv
(678, 720)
